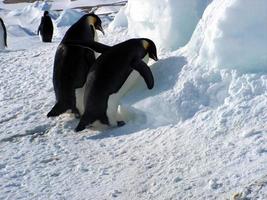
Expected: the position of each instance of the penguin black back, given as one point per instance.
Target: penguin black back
(107, 76)
(46, 28)
(72, 63)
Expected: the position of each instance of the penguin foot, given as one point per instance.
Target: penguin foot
(56, 110)
(120, 123)
(52, 113)
(80, 127)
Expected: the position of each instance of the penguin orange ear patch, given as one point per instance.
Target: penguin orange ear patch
(145, 44)
(91, 20)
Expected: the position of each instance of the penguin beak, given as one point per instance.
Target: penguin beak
(99, 27)
(154, 57)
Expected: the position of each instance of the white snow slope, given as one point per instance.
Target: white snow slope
(200, 133)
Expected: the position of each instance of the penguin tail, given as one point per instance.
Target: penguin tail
(56, 110)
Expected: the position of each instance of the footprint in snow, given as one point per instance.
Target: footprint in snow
(115, 193)
(214, 184)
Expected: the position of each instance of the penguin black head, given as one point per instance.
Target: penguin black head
(95, 21)
(150, 48)
(46, 13)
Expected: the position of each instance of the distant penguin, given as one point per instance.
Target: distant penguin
(107, 77)
(3, 35)
(46, 28)
(72, 64)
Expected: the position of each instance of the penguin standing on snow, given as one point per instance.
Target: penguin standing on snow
(72, 64)
(107, 77)
(46, 28)
(3, 35)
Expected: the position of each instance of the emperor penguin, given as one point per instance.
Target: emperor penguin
(46, 28)
(72, 64)
(3, 35)
(107, 77)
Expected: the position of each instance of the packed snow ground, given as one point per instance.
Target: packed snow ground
(201, 133)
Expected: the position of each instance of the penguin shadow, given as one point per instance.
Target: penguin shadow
(166, 73)
(136, 122)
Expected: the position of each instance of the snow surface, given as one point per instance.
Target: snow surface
(201, 132)
(231, 36)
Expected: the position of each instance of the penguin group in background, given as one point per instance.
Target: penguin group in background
(46, 28)
(72, 64)
(3, 35)
(107, 78)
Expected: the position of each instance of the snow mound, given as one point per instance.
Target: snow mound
(68, 17)
(232, 34)
(19, 31)
(31, 11)
(120, 20)
(170, 23)
(28, 17)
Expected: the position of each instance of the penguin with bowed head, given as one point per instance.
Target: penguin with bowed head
(72, 64)
(107, 78)
(3, 35)
(46, 28)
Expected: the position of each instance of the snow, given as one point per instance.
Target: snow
(170, 23)
(200, 133)
(120, 20)
(68, 17)
(231, 36)
(26, 20)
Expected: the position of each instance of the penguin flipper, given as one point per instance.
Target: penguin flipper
(95, 46)
(145, 72)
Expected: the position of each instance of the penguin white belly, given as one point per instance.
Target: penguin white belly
(40, 37)
(79, 96)
(113, 103)
(2, 39)
(96, 39)
(113, 113)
